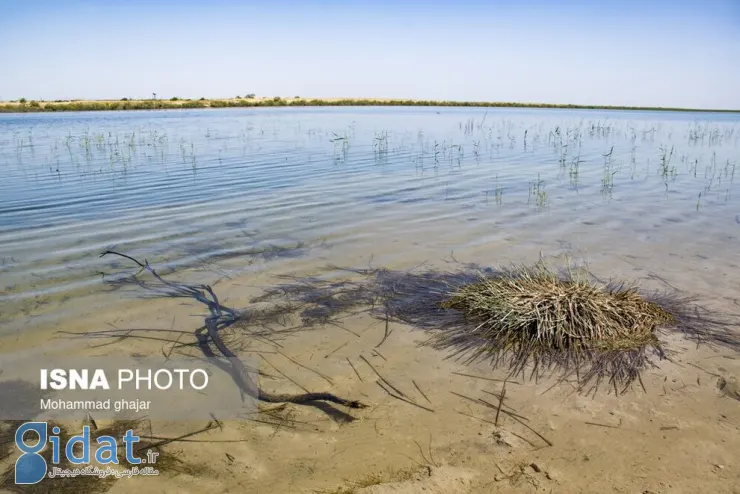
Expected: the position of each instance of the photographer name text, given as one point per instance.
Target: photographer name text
(89, 405)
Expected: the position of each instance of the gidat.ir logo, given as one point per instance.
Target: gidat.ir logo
(31, 467)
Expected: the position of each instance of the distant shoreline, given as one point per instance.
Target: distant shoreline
(125, 104)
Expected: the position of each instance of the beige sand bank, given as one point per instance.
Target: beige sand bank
(680, 436)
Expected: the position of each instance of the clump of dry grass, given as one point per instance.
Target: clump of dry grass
(538, 319)
(548, 311)
(530, 319)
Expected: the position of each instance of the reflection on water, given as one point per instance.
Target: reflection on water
(250, 187)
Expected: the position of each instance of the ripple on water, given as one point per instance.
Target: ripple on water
(258, 187)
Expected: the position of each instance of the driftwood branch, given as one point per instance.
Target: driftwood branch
(220, 317)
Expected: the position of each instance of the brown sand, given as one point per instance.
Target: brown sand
(680, 436)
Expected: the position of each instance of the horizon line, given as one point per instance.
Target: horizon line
(23, 105)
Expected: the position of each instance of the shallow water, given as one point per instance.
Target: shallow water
(239, 190)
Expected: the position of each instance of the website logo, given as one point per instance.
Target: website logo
(32, 438)
(30, 467)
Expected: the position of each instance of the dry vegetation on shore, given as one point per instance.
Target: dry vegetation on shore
(250, 100)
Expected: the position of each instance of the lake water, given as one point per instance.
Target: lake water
(238, 191)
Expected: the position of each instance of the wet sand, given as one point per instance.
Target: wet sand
(679, 435)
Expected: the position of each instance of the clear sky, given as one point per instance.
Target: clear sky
(628, 52)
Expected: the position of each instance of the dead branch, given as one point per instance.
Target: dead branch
(219, 318)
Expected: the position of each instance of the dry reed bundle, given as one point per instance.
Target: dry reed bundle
(530, 319)
(558, 313)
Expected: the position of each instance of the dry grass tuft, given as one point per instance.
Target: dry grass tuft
(551, 312)
(530, 319)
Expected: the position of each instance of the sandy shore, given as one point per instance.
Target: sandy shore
(32, 106)
(680, 435)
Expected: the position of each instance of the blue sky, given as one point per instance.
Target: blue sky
(652, 53)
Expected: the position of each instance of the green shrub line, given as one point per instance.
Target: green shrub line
(23, 106)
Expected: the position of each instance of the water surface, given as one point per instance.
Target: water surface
(239, 190)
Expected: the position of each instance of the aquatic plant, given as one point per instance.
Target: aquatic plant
(537, 191)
